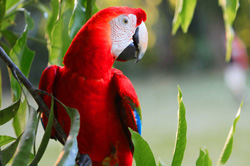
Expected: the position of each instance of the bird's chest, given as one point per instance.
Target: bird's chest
(92, 97)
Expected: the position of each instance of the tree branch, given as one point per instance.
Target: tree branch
(60, 134)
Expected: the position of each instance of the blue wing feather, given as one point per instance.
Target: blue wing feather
(138, 121)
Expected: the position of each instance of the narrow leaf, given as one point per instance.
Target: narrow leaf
(19, 120)
(22, 154)
(181, 135)
(228, 147)
(187, 13)
(78, 18)
(4, 139)
(2, 11)
(177, 16)
(10, 37)
(142, 153)
(45, 139)
(60, 40)
(5, 47)
(9, 151)
(22, 56)
(183, 16)
(70, 149)
(204, 159)
(90, 8)
(8, 22)
(54, 4)
(229, 40)
(12, 6)
(28, 19)
(9, 112)
(229, 8)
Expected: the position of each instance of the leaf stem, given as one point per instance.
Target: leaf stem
(60, 134)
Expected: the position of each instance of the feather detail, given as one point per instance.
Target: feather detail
(131, 112)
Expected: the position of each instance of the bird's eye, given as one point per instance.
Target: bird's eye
(124, 21)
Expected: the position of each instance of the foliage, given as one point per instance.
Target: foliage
(229, 8)
(65, 17)
(226, 152)
(181, 136)
(144, 155)
(204, 159)
(184, 13)
(64, 20)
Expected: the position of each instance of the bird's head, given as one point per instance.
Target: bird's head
(129, 34)
(114, 33)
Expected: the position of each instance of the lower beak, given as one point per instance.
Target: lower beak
(138, 47)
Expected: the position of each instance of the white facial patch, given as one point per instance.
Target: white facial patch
(122, 31)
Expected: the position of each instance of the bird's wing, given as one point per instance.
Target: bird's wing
(47, 84)
(127, 102)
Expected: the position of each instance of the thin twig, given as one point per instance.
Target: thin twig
(60, 134)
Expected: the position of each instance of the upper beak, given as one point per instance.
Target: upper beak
(138, 47)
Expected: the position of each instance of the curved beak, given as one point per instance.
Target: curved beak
(138, 47)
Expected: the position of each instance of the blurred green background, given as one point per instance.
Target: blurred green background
(195, 61)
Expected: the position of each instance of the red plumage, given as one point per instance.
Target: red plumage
(104, 97)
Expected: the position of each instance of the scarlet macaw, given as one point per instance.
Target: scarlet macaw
(104, 97)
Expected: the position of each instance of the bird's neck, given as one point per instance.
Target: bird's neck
(90, 54)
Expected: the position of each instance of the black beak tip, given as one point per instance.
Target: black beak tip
(129, 53)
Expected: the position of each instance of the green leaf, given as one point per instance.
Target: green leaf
(228, 147)
(8, 22)
(13, 6)
(60, 40)
(10, 4)
(22, 154)
(4, 139)
(70, 149)
(10, 37)
(5, 47)
(45, 139)
(2, 11)
(184, 11)
(21, 55)
(204, 159)
(181, 136)
(19, 120)
(177, 16)
(229, 40)
(8, 113)
(142, 153)
(229, 8)
(52, 18)
(90, 8)
(78, 18)
(28, 19)
(9, 151)
(187, 13)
